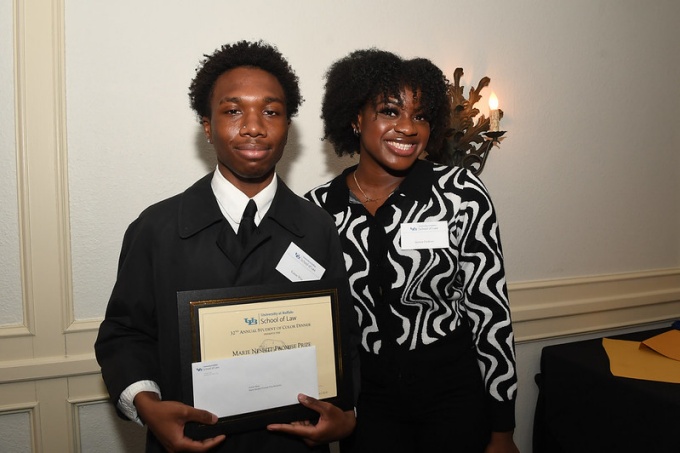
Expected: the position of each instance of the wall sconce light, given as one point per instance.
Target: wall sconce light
(468, 143)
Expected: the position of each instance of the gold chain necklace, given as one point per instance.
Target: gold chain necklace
(367, 198)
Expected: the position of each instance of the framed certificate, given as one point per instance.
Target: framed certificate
(247, 352)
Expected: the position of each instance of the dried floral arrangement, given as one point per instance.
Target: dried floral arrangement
(467, 142)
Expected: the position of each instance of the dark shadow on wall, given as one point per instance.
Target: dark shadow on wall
(335, 164)
(204, 150)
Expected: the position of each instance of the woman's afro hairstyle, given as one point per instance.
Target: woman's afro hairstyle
(243, 53)
(372, 75)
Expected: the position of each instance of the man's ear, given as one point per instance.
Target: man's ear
(205, 122)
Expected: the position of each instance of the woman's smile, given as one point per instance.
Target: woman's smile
(401, 148)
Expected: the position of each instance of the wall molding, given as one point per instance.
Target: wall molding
(15, 330)
(23, 179)
(84, 325)
(29, 408)
(47, 368)
(541, 311)
(61, 163)
(555, 308)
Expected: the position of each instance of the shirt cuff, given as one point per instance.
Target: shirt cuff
(126, 401)
(502, 415)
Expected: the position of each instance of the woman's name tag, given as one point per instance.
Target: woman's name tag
(424, 235)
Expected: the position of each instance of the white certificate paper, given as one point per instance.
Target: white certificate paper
(240, 385)
(239, 330)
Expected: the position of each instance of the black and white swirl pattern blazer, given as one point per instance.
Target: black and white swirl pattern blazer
(420, 296)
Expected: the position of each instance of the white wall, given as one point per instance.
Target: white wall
(586, 182)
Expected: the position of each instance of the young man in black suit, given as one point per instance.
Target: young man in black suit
(245, 95)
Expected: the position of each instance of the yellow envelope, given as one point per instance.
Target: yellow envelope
(628, 359)
(667, 343)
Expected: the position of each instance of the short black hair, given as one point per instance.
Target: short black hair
(370, 75)
(243, 53)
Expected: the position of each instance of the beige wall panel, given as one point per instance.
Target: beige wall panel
(87, 388)
(16, 431)
(15, 347)
(55, 435)
(99, 430)
(18, 394)
(82, 341)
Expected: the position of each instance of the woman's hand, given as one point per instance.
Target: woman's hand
(334, 423)
(166, 420)
(501, 442)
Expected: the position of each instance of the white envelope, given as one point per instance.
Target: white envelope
(239, 385)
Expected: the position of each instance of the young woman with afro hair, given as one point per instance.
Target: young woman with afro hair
(423, 254)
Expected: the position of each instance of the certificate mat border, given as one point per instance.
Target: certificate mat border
(189, 304)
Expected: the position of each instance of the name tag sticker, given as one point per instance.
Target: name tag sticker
(424, 235)
(298, 266)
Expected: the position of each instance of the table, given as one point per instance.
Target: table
(583, 408)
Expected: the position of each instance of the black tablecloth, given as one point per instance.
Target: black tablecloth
(583, 408)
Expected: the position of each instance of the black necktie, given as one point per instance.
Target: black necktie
(247, 225)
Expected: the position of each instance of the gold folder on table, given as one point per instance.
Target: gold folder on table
(655, 359)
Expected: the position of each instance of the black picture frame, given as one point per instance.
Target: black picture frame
(190, 303)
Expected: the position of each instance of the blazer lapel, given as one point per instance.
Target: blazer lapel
(230, 245)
